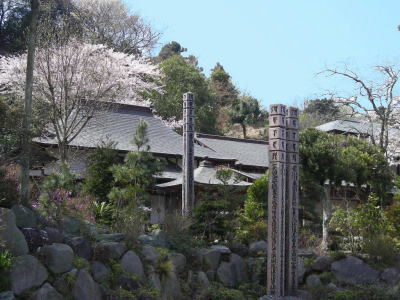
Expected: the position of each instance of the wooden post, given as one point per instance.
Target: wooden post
(276, 201)
(292, 200)
(188, 154)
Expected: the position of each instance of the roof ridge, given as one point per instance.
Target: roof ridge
(222, 137)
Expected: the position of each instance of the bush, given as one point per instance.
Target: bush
(9, 192)
(175, 223)
(6, 260)
(80, 263)
(252, 290)
(217, 291)
(381, 249)
(252, 224)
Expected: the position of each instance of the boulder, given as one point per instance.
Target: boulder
(27, 273)
(9, 295)
(150, 254)
(85, 287)
(160, 239)
(352, 270)
(35, 238)
(100, 272)
(81, 247)
(54, 235)
(239, 249)
(146, 239)
(313, 281)
(72, 226)
(132, 264)
(203, 279)
(171, 288)
(332, 286)
(155, 280)
(257, 248)
(256, 267)
(239, 268)
(110, 237)
(179, 261)
(105, 251)
(212, 258)
(226, 274)
(322, 263)
(46, 292)
(222, 249)
(390, 276)
(24, 217)
(10, 236)
(58, 257)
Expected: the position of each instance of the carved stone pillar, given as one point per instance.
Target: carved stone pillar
(188, 154)
(276, 201)
(292, 199)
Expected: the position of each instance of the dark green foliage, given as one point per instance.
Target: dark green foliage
(252, 291)
(9, 193)
(99, 179)
(170, 49)
(325, 108)
(6, 260)
(354, 293)
(181, 77)
(247, 111)
(252, 225)
(221, 84)
(218, 292)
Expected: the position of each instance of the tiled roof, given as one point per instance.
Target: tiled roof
(119, 125)
(347, 126)
(247, 152)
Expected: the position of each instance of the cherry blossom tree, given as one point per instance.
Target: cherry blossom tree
(76, 80)
(375, 103)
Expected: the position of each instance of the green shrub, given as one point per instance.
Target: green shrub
(326, 277)
(218, 292)
(6, 260)
(354, 293)
(80, 263)
(252, 290)
(252, 225)
(381, 249)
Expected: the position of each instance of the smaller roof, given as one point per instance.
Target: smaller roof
(204, 174)
(346, 126)
(248, 152)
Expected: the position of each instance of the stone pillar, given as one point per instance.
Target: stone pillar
(276, 201)
(188, 154)
(292, 199)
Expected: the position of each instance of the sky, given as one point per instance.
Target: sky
(274, 49)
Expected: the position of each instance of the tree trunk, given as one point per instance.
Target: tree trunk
(326, 216)
(244, 130)
(27, 119)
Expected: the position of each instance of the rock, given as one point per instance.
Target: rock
(100, 272)
(10, 236)
(85, 287)
(257, 248)
(170, 288)
(160, 239)
(332, 286)
(110, 237)
(128, 282)
(46, 292)
(54, 235)
(226, 274)
(104, 251)
(150, 254)
(179, 261)
(58, 257)
(27, 273)
(256, 267)
(239, 249)
(203, 279)
(155, 280)
(239, 268)
(352, 270)
(81, 247)
(9, 295)
(222, 249)
(322, 263)
(212, 258)
(132, 264)
(72, 226)
(390, 276)
(35, 238)
(146, 239)
(313, 281)
(24, 217)
(301, 270)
